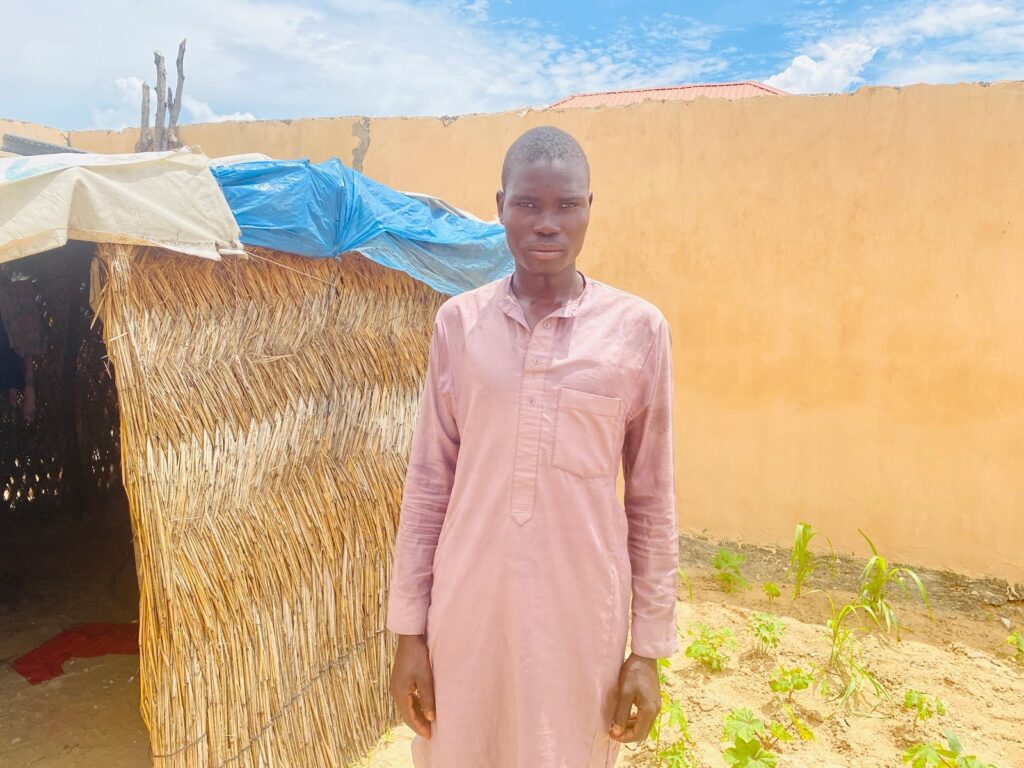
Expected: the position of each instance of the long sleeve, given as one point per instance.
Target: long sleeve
(428, 485)
(653, 541)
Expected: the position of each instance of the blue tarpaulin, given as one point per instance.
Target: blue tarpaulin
(323, 210)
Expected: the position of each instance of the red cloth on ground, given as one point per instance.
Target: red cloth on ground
(83, 641)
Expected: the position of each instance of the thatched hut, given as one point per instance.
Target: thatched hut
(266, 406)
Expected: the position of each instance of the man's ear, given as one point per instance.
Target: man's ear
(499, 198)
(590, 200)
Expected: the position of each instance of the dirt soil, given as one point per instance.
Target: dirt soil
(55, 574)
(958, 653)
(67, 572)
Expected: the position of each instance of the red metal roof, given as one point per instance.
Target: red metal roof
(740, 90)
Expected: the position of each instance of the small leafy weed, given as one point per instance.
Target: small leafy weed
(1016, 641)
(727, 565)
(709, 645)
(938, 756)
(751, 743)
(767, 630)
(788, 681)
(923, 705)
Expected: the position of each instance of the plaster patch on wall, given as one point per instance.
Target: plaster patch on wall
(361, 131)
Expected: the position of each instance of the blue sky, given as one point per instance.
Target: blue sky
(72, 64)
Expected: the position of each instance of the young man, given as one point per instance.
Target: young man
(515, 561)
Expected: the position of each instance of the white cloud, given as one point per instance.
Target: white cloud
(201, 112)
(122, 104)
(936, 41)
(826, 68)
(293, 58)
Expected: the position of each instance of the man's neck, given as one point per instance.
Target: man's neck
(558, 288)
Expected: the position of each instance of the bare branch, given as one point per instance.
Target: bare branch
(160, 138)
(145, 142)
(175, 101)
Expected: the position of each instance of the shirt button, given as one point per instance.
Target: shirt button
(531, 401)
(547, 324)
(536, 361)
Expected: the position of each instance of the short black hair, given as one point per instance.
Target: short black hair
(543, 143)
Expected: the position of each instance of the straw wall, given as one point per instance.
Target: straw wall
(267, 406)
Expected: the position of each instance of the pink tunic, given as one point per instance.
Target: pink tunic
(513, 554)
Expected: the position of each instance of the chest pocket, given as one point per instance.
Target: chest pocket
(587, 433)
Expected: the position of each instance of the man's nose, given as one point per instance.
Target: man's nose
(546, 226)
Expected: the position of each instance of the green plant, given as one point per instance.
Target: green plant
(677, 753)
(771, 589)
(877, 576)
(802, 562)
(923, 705)
(1016, 641)
(788, 681)
(938, 756)
(727, 566)
(767, 630)
(751, 742)
(686, 580)
(856, 683)
(709, 645)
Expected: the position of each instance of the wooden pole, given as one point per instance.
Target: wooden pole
(145, 142)
(159, 135)
(175, 101)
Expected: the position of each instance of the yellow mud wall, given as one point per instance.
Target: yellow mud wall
(33, 131)
(315, 138)
(844, 278)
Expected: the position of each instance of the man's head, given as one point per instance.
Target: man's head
(544, 200)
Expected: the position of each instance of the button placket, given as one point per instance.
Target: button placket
(530, 423)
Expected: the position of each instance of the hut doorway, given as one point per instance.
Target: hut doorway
(66, 552)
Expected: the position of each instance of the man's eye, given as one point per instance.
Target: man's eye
(525, 205)
(569, 205)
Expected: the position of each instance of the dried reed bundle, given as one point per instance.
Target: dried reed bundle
(267, 406)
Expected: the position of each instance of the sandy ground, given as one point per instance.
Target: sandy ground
(70, 572)
(959, 655)
(61, 573)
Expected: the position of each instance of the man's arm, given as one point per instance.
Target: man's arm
(653, 540)
(428, 485)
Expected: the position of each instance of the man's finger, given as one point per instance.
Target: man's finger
(414, 717)
(628, 732)
(644, 720)
(622, 714)
(425, 688)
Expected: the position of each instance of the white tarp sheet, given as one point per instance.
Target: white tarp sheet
(166, 199)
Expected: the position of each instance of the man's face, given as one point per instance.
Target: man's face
(545, 208)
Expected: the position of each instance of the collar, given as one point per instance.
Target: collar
(511, 306)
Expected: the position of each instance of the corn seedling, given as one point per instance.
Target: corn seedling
(727, 569)
(878, 575)
(709, 645)
(788, 681)
(771, 589)
(844, 668)
(924, 706)
(751, 743)
(802, 562)
(677, 753)
(939, 756)
(767, 630)
(1016, 641)
(686, 580)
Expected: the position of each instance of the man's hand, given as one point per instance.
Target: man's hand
(412, 683)
(638, 684)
